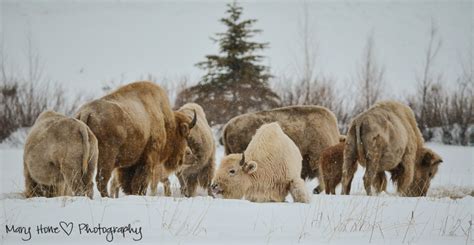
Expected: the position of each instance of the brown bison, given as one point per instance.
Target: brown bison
(312, 128)
(330, 167)
(199, 163)
(60, 157)
(136, 130)
(269, 168)
(386, 138)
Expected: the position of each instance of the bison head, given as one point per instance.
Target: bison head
(189, 157)
(178, 141)
(233, 177)
(425, 170)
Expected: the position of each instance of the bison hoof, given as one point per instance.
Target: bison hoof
(316, 191)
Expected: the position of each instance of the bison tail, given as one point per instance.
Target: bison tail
(85, 149)
(350, 148)
(360, 145)
(349, 165)
(84, 117)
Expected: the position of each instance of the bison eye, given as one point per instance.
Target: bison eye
(232, 171)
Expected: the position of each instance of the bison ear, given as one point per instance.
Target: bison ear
(184, 129)
(426, 162)
(430, 158)
(250, 167)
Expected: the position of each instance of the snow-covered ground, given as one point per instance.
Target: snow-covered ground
(444, 217)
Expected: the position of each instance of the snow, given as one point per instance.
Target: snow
(82, 44)
(444, 217)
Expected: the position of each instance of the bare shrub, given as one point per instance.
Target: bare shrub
(306, 86)
(24, 97)
(427, 83)
(369, 79)
(436, 106)
(322, 92)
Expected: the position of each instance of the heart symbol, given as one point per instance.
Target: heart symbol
(67, 227)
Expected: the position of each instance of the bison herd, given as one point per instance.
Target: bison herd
(131, 140)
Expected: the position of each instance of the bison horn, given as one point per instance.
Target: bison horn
(242, 162)
(193, 122)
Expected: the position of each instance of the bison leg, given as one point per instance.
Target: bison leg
(182, 183)
(330, 186)
(349, 177)
(205, 177)
(191, 185)
(166, 186)
(371, 171)
(380, 183)
(349, 166)
(102, 179)
(134, 179)
(105, 166)
(140, 180)
(298, 191)
(326, 187)
(49, 191)
(125, 176)
(368, 179)
(313, 167)
(406, 177)
(115, 185)
(154, 181)
(31, 187)
(369, 176)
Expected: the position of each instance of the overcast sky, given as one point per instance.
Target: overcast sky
(84, 43)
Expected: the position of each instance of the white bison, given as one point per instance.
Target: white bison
(60, 157)
(268, 169)
(312, 128)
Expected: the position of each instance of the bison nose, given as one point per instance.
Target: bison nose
(214, 186)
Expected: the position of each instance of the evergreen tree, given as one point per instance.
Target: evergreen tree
(235, 82)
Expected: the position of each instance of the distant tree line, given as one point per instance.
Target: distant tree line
(236, 82)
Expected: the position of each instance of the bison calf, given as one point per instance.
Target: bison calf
(330, 167)
(268, 169)
(60, 157)
(312, 128)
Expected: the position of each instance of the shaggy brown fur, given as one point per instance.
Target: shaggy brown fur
(425, 170)
(312, 128)
(270, 169)
(384, 138)
(60, 157)
(136, 130)
(159, 176)
(330, 167)
(199, 165)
